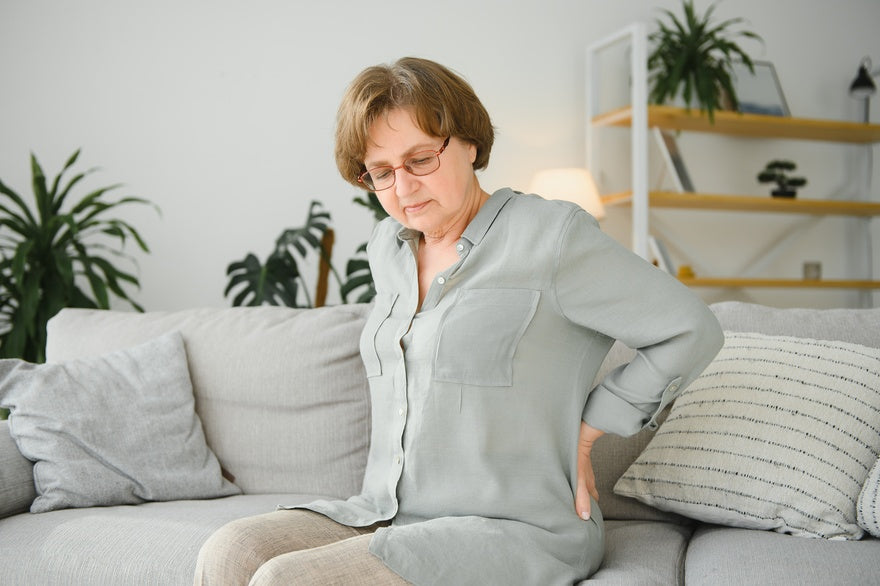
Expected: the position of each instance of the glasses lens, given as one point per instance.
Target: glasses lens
(423, 163)
(379, 178)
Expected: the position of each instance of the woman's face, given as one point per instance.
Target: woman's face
(437, 204)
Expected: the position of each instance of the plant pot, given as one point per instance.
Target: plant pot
(783, 193)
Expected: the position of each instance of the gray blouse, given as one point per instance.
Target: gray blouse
(477, 398)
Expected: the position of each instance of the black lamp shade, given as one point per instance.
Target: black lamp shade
(862, 86)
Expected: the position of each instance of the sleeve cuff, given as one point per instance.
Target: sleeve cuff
(608, 412)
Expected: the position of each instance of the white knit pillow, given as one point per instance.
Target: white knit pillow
(778, 433)
(868, 508)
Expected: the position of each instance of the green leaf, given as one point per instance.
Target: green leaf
(43, 255)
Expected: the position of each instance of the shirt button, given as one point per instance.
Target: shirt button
(441, 280)
(397, 459)
(401, 411)
(673, 388)
(460, 247)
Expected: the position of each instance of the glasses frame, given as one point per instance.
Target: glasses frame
(405, 166)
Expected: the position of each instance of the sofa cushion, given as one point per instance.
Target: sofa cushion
(858, 326)
(777, 433)
(644, 553)
(147, 545)
(115, 429)
(281, 392)
(868, 507)
(724, 556)
(16, 476)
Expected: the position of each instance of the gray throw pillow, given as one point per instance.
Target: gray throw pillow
(112, 430)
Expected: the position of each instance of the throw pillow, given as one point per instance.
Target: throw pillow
(868, 507)
(112, 430)
(777, 433)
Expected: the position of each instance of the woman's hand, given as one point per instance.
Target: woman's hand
(586, 480)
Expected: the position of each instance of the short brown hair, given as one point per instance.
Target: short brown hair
(443, 102)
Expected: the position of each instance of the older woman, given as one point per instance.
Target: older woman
(492, 316)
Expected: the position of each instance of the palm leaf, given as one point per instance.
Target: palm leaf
(44, 255)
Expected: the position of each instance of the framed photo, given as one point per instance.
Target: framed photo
(759, 92)
(672, 161)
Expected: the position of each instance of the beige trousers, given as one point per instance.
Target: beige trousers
(291, 547)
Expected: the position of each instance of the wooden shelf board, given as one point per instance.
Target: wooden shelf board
(749, 125)
(749, 203)
(780, 283)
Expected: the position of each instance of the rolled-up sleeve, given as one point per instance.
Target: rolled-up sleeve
(602, 286)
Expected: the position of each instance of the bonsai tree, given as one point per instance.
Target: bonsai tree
(56, 256)
(779, 172)
(695, 57)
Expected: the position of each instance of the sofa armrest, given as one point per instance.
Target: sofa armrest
(17, 490)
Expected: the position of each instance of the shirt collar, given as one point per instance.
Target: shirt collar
(481, 223)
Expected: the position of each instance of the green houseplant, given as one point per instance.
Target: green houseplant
(779, 172)
(279, 280)
(694, 57)
(56, 256)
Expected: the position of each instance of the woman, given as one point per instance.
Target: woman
(492, 316)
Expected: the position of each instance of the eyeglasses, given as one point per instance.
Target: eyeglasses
(420, 164)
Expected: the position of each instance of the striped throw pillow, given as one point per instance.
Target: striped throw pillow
(778, 433)
(868, 507)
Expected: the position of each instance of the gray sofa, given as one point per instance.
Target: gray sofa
(283, 401)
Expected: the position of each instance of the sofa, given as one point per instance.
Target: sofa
(279, 415)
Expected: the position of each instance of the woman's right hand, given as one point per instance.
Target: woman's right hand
(586, 479)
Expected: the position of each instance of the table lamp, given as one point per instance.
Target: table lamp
(574, 184)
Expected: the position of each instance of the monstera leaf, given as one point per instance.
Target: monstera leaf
(279, 281)
(358, 276)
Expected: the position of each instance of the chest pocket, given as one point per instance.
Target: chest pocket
(384, 303)
(479, 335)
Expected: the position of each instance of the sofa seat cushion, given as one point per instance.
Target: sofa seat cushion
(644, 553)
(152, 543)
(719, 556)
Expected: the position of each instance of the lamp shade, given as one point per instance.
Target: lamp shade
(572, 184)
(863, 86)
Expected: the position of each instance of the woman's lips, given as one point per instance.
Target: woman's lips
(415, 208)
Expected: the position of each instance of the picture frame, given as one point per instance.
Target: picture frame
(673, 163)
(759, 92)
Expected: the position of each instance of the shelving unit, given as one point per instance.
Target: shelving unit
(640, 117)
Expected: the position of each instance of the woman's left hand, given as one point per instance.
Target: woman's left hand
(586, 479)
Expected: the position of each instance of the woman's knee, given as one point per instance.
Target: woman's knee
(234, 552)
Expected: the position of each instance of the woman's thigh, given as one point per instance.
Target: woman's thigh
(235, 551)
(346, 562)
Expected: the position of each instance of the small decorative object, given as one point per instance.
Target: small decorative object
(812, 271)
(695, 57)
(686, 272)
(778, 172)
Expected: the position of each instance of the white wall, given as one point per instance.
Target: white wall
(222, 111)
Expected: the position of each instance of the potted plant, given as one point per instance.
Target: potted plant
(279, 281)
(693, 57)
(778, 172)
(56, 256)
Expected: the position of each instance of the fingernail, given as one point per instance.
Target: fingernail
(585, 515)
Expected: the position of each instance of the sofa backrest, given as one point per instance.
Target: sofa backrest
(281, 392)
(284, 401)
